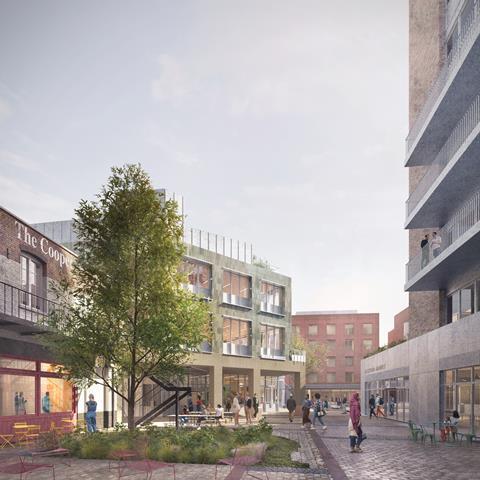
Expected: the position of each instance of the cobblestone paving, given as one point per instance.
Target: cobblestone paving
(389, 454)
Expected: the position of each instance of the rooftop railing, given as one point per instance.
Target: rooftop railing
(469, 32)
(19, 303)
(459, 135)
(461, 222)
(213, 242)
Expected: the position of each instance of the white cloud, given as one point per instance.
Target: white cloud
(173, 83)
(31, 203)
(18, 161)
(5, 110)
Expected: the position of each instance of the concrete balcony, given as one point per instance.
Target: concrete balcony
(452, 177)
(458, 253)
(449, 97)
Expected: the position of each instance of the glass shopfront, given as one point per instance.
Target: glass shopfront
(395, 394)
(25, 383)
(460, 390)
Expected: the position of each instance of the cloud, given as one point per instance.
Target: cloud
(5, 110)
(18, 161)
(174, 82)
(172, 148)
(30, 203)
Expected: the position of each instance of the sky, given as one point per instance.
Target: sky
(281, 123)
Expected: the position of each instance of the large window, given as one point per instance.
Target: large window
(348, 377)
(331, 329)
(237, 289)
(349, 329)
(395, 393)
(272, 298)
(367, 329)
(32, 283)
(331, 377)
(199, 277)
(349, 345)
(312, 377)
(331, 345)
(24, 384)
(313, 330)
(237, 337)
(460, 304)
(272, 342)
(349, 361)
(331, 362)
(367, 345)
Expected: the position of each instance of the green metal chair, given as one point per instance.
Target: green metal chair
(415, 431)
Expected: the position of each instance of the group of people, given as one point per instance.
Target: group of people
(20, 403)
(430, 247)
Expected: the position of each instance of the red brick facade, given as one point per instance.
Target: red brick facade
(337, 331)
(400, 331)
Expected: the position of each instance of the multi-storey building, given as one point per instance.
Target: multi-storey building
(30, 264)
(438, 370)
(346, 336)
(249, 352)
(401, 327)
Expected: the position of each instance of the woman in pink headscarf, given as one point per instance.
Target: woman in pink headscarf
(354, 424)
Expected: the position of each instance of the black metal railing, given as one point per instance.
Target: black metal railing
(19, 303)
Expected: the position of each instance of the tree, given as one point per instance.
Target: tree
(124, 315)
(316, 353)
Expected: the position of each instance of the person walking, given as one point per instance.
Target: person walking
(91, 415)
(436, 244)
(236, 410)
(255, 405)
(318, 412)
(379, 406)
(291, 406)
(371, 404)
(425, 251)
(22, 404)
(248, 409)
(307, 405)
(355, 431)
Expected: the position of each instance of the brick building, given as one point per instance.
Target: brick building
(401, 326)
(437, 371)
(346, 336)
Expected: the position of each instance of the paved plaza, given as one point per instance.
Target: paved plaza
(388, 455)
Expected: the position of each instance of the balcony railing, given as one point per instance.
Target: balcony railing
(271, 308)
(467, 37)
(19, 303)
(218, 244)
(230, 348)
(273, 353)
(298, 356)
(459, 135)
(461, 222)
(237, 300)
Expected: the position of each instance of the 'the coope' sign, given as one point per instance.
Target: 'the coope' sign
(41, 243)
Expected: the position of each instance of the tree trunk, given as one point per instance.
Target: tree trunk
(131, 414)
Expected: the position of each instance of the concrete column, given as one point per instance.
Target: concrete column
(298, 389)
(216, 385)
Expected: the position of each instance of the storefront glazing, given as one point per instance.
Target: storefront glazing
(395, 394)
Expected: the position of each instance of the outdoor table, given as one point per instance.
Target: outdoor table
(193, 417)
(6, 440)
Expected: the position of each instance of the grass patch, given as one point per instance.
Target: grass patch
(279, 451)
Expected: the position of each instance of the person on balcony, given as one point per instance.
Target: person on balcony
(436, 244)
(425, 251)
(91, 415)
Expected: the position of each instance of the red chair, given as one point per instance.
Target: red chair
(17, 466)
(239, 464)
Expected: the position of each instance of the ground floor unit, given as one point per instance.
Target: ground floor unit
(333, 393)
(427, 378)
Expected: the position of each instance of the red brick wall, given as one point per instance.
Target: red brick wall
(396, 334)
(17, 236)
(340, 320)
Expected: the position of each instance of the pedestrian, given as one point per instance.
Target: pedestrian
(291, 406)
(91, 415)
(391, 406)
(307, 405)
(454, 420)
(199, 404)
(255, 405)
(371, 404)
(318, 412)
(344, 405)
(236, 410)
(248, 409)
(228, 405)
(46, 403)
(355, 431)
(190, 403)
(425, 251)
(379, 406)
(22, 404)
(436, 244)
(16, 402)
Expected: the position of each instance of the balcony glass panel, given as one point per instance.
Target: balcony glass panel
(272, 298)
(237, 289)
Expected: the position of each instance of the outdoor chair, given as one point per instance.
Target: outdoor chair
(468, 437)
(121, 456)
(415, 431)
(424, 434)
(17, 466)
(145, 466)
(239, 463)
